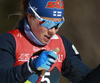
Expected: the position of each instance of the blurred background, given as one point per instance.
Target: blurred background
(82, 26)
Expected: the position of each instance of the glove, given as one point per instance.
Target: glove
(30, 65)
(45, 60)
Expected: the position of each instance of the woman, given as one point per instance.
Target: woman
(26, 51)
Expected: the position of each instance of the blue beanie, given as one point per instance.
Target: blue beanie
(47, 8)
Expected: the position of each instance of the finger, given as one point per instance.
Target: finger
(51, 54)
(51, 60)
(48, 63)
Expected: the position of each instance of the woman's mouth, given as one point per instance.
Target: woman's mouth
(47, 38)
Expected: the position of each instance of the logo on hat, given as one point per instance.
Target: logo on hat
(55, 4)
(57, 13)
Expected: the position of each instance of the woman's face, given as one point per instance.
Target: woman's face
(41, 33)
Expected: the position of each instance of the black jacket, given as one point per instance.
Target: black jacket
(73, 68)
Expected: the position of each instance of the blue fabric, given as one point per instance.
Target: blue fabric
(33, 78)
(78, 64)
(47, 8)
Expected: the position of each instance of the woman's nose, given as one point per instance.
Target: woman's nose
(52, 31)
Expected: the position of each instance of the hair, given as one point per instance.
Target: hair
(24, 6)
(23, 11)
